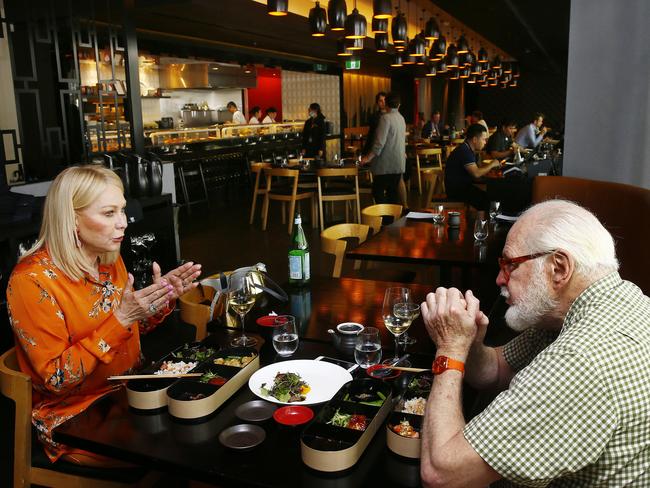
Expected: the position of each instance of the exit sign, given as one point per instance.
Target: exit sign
(352, 64)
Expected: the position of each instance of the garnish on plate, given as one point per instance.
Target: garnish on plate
(349, 421)
(213, 379)
(405, 429)
(236, 361)
(287, 388)
(196, 353)
(366, 398)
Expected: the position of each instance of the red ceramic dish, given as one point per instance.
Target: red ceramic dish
(291, 415)
(267, 320)
(393, 374)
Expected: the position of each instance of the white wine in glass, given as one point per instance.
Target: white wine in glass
(395, 325)
(241, 299)
(408, 312)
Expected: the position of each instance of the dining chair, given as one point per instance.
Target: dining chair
(333, 242)
(373, 215)
(258, 170)
(282, 186)
(31, 468)
(623, 209)
(338, 185)
(422, 158)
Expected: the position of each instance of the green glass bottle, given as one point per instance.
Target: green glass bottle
(299, 271)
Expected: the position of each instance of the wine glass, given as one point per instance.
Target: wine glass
(480, 228)
(397, 312)
(494, 210)
(241, 299)
(285, 337)
(438, 214)
(367, 350)
(407, 311)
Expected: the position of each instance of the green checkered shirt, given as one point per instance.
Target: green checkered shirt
(577, 413)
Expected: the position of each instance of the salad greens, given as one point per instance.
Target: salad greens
(287, 388)
(200, 353)
(363, 399)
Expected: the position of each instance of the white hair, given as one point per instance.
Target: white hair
(561, 224)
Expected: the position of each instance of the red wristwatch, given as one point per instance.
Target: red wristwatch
(443, 363)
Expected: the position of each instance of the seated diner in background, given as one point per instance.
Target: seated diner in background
(573, 408)
(74, 313)
(476, 117)
(433, 128)
(462, 169)
(271, 114)
(500, 144)
(531, 135)
(255, 115)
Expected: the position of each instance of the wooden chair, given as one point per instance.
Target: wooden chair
(257, 169)
(373, 216)
(17, 386)
(332, 242)
(622, 209)
(434, 153)
(338, 191)
(285, 192)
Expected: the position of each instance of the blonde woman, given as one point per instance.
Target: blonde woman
(75, 315)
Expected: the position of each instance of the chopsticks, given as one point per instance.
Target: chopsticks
(408, 370)
(152, 376)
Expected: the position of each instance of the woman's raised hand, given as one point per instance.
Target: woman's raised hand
(141, 304)
(181, 278)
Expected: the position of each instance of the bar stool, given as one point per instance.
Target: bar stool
(190, 169)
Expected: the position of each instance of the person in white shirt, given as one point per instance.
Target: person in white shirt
(237, 116)
(476, 117)
(530, 135)
(255, 115)
(271, 113)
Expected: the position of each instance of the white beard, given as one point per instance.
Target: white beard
(534, 304)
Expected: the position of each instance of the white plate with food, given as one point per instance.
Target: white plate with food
(298, 382)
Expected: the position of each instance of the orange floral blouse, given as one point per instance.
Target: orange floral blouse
(68, 340)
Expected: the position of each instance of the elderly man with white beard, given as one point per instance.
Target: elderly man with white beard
(574, 402)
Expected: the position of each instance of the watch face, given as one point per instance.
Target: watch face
(439, 365)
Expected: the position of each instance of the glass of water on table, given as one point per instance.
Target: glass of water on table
(367, 350)
(285, 336)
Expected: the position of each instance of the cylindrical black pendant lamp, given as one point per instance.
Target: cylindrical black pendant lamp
(431, 30)
(462, 45)
(380, 25)
(341, 48)
(277, 7)
(317, 21)
(398, 61)
(354, 44)
(442, 66)
(355, 25)
(381, 9)
(476, 69)
(496, 64)
(482, 56)
(381, 42)
(439, 48)
(417, 47)
(399, 29)
(337, 12)
(431, 70)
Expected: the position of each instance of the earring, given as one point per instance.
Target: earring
(77, 241)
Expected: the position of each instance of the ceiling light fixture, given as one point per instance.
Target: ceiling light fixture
(277, 8)
(397, 61)
(380, 25)
(317, 20)
(381, 9)
(462, 45)
(431, 29)
(355, 25)
(337, 12)
(381, 42)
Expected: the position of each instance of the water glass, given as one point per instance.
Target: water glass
(494, 210)
(438, 214)
(285, 336)
(480, 228)
(367, 350)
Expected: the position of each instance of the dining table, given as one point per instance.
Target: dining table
(193, 450)
(420, 241)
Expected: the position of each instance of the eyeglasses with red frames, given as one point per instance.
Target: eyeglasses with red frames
(508, 265)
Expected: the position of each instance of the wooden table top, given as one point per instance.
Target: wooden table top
(412, 241)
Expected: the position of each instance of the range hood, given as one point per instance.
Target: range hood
(206, 76)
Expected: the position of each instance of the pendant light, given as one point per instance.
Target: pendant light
(408, 59)
(482, 78)
(341, 48)
(431, 30)
(337, 12)
(399, 27)
(482, 55)
(439, 48)
(277, 7)
(401, 47)
(492, 82)
(515, 70)
(463, 59)
(418, 47)
(507, 68)
(354, 44)
(462, 45)
(381, 9)
(317, 20)
(513, 83)
(496, 64)
(452, 57)
(464, 73)
(442, 66)
(476, 69)
(455, 75)
(381, 42)
(431, 70)
(470, 59)
(355, 25)
(397, 61)
(379, 26)
(485, 67)
(472, 80)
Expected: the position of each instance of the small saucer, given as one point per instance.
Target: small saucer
(394, 373)
(243, 436)
(293, 415)
(255, 411)
(267, 320)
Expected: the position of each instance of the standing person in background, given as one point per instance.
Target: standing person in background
(530, 135)
(388, 154)
(237, 116)
(255, 115)
(271, 114)
(380, 105)
(313, 133)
